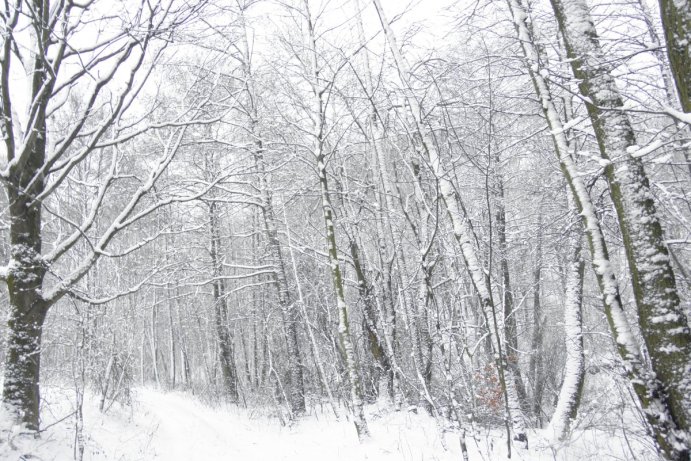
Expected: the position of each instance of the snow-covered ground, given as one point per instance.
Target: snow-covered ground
(176, 426)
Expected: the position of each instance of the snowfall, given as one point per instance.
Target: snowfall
(176, 426)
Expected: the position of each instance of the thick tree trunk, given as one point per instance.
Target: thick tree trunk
(663, 323)
(27, 309)
(649, 390)
(21, 393)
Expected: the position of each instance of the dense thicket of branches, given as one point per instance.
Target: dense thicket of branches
(294, 203)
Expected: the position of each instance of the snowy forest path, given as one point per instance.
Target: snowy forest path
(187, 430)
(182, 428)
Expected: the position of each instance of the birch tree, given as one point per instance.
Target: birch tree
(319, 89)
(649, 390)
(663, 323)
(462, 231)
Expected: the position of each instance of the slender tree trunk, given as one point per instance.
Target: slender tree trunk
(310, 332)
(536, 357)
(510, 324)
(574, 368)
(376, 349)
(154, 340)
(385, 201)
(649, 390)
(462, 231)
(664, 325)
(172, 349)
(346, 342)
(226, 354)
(347, 346)
(425, 243)
(289, 308)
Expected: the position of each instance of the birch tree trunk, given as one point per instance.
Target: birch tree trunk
(663, 323)
(318, 149)
(388, 256)
(574, 368)
(649, 390)
(347, 347)
(462, 231)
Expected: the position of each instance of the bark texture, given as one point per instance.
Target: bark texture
(663, 324)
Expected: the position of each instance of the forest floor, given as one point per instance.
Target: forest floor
(176, 426)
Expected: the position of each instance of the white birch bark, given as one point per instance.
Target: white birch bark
(664, 325)
(318, 149)
(461, 227)
(648, 389)
(574, 368)
(383, 222)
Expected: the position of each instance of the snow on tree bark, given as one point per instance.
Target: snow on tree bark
(317, 148)
(676, 21)
(648, 388)
(574, 368)
(663, 323)
(343, 322)
(388, 256)
(462, 231)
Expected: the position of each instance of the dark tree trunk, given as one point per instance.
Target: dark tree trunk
(370, 324)
(27, 310)
(223, 333)
(676, 20)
